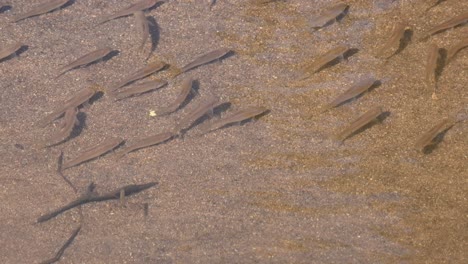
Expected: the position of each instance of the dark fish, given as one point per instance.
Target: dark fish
(139, 89)
(363, 120)
(10, 49)
(147, 142)
(86, 59)
(184, 92)
(141, 73)
(237, 117)
(129, 190)
(138, 6)
(81, 97)
(93, 152)
(206, 58)
(42, 9)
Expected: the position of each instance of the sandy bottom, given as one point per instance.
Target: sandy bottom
(274, 190)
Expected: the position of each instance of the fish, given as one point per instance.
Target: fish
(427, 138)
(114, 195)
(10, 49)
(143, 27)
(69, 122)
(239, 116)
(453, 22)
(331, 55)
(86, 59)
(355, 90)
(43, 8)
(360, 122)
(196, 114)
(147, 142)
(93, 152)
(431, 67)
(138, 6)
(79, 98)
(139, 89)
(393, 43)
(206, 58)
(452, 51)
(328, 15)
(184, 92)
(141, 73)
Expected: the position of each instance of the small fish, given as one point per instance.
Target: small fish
(184, 92)
(331, 55)
(143, 27)
(10, 49)
(329, 15)
(141, 73)
(93, 152)
(196, 114)
(138, 6)
(66, 128)
(453, 22)
(393, 43)
(355, 90)
(239, 116)
(86, 59)
(431, 67)
(427, 138)
(139, 89)
(452, 51)
(206, 58)
(42, 9)
(114, 195)
(147, 142)
(359, 123)
(81, 97)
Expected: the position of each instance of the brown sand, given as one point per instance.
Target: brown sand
(277, 190)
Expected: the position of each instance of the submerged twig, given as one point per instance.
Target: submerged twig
(62, 249)
(88, 198)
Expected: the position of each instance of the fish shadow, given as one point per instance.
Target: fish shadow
(15, 54)
(436, 141)
(155, 34)
(379, 119)
(110, 55)
(158, 4)
(67, 4)
(345, 56)
(98, 95)
(5, 8)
